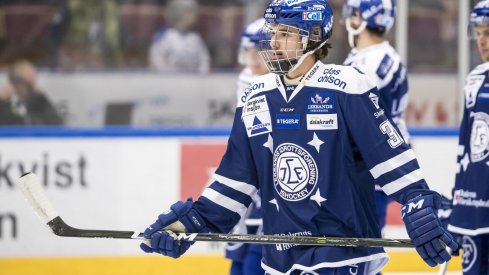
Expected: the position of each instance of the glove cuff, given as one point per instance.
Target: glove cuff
(189, 217)
(420, 201)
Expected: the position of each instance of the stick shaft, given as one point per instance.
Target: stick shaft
(60, 228)
(34, 193)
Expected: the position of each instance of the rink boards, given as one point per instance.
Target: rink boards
(123, 183)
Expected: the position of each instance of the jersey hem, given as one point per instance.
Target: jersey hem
(382, 259)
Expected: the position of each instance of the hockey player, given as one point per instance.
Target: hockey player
(367, 23)
(311, 137)
(470, 215)
(248, 57)
(246, 258)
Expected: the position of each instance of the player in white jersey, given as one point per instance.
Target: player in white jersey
(248, 57)
(311, 137)
(470, 215)
(246, 258)
(367, 22)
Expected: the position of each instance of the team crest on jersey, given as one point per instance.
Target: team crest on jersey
(295, 172)
(472, 86)
(321, 103)
(256, 116)
(479, 137)
(469, 253)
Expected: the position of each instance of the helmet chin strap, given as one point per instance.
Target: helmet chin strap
(352, 32)
(304, 56)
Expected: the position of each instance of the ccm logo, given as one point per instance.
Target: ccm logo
(312, 15)
(411, 206)
(186, 237)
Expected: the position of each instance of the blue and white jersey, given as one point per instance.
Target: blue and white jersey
(251, 223)
(470, 215)
(313, 154)
(383, 65)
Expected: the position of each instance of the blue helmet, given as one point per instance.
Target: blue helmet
(312, 20)
(303, 14)
(479, 15)
(250, 38)
(376, 13)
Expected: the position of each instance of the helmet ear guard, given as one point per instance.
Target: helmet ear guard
(377, 15)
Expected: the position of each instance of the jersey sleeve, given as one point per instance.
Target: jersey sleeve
(390, 160)
(462, 151)
(226, 200)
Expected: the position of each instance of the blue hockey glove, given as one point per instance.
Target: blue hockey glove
(425, 229)
(181, 217)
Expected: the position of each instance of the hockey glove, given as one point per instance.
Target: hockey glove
(181, 218)
(425, 229)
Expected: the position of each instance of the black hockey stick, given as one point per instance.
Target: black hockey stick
(35, 195)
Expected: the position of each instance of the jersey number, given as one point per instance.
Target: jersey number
(394, 138)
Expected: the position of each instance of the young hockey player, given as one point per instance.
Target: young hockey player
(470, 216)
(312, 138)
(367, 23)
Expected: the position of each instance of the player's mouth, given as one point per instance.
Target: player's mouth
(277, 55)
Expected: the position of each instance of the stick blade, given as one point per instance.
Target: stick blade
(33, 192)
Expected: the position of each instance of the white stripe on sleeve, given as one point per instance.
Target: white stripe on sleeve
(240, 186)
(402, 182)
(461, 149)
(225, 201)
(392, 163)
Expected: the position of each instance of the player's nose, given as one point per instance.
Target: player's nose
(274, 43)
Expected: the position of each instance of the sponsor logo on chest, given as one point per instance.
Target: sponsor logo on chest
(322, 121)
(288, 121)
(322, 102)
(256, 116)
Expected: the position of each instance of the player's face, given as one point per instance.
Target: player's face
(285, 41)
(254, 61)
(355, 20)
(482, 39)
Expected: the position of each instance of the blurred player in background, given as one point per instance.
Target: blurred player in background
(470, 215)
(312, 138)
(177, 48)
(248, 56)
(367, 22)
(246, 258)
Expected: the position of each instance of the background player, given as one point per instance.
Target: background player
(248, 56)
(246, 258)
(313, 162)
(470, 215)
(373, 55)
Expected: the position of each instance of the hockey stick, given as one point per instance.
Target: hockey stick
(35, 195)
(444, 266)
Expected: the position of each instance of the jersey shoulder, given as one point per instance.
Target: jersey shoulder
(260, 84)
(480, 69)
(346, 79)
(379, 62)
